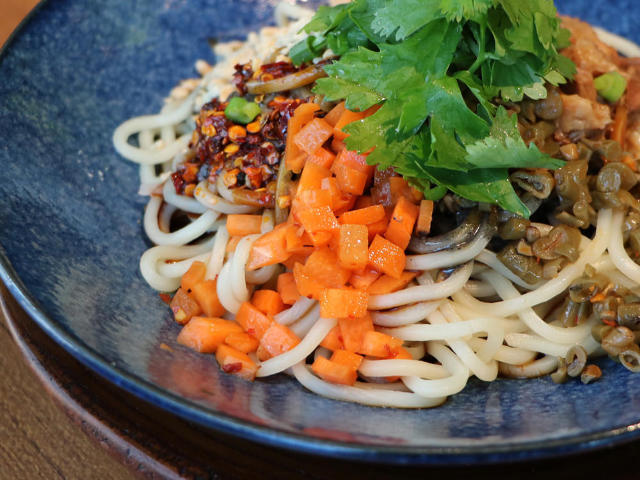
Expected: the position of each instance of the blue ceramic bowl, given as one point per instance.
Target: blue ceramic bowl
(71, 236)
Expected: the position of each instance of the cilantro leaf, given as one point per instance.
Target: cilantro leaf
(504, 147)
(358, 97)
(404, 17)
(457, 10)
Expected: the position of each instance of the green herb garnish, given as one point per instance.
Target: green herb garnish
(242, 111)
(436, 66)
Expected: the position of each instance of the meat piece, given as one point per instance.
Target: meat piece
(587, 51)
(583, 114)
(584, 84)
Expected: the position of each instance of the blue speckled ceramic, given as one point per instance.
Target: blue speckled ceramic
(71, 236)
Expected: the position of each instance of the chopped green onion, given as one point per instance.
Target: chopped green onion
(241, 111)
(610, 86)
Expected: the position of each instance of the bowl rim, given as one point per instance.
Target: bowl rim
(477, 453)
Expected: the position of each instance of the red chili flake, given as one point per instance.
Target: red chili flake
(610, 322)
(178, 182)
(242, 75)
(165, 297)
(232, 367)
(278, 69)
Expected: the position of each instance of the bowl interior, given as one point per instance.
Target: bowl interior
(70, 226)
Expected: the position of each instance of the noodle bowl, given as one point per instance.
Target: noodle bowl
(478, 318)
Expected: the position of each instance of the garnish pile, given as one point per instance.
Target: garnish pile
(440, 72)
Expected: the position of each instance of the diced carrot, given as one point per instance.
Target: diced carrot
(184, 306)
(401, 223)
(399, 187)
(321, 238)
(323, 266)
(194, 275)
(424, 217)
(236, 362)
(334, 372)
(344, 203)
(269, 249)
(364, 216)
(302, 115)
(387, 284)
(619, 127)
(343, 302)
(293, 239)
(345, 357)
(363, 278)
(232, 244)
(322, 157)
(278, 339)
(387, 257)
(349, 180)
(311, 178)
(345, 119)
(378, 227)
(287, 288)
(267, 301)
(353, 246)
(206, 294)
(379, 344)
(353, 330)
(334, 114)
(340, 201)
(356, 161)
(333, 340)
(242, 341)
(364, 201)
(305, 283)
(252, 320)
(319, 219)
(205, 335)
(313, 135)
(242, 225)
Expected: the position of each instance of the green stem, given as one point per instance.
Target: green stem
(481, 50)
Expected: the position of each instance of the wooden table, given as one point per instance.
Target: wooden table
(59, 420)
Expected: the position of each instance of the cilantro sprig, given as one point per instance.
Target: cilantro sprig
(435, 68)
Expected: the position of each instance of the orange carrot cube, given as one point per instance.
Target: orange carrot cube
(386, 257)
(343, 302)
(242, 341)
(377, 344)
(333, 340)
(353, 246)
(345, 357)
(334, 372)
(236, 362)
(401, 223)
(184, 307)
(267, 301)
(206, 294)
(252, 320)
(194, 275)
(278, 339)
(364, 216)
(353, 330)
(311, 137)
(205, 335)
(387, 284)
(287, 288)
